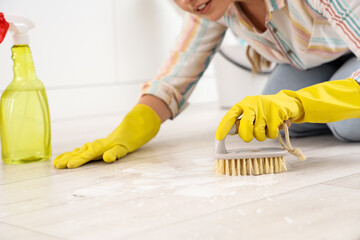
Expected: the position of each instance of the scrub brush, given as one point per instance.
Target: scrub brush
(254, 161)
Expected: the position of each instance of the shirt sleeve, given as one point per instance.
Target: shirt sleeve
(344, 16)
(177, 78)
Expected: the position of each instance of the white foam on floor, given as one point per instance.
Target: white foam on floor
(98, 189)
(197, 179)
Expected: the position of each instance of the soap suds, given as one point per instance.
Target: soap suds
(241, 212)
(98, 189)
(288, 220)
(195, 179)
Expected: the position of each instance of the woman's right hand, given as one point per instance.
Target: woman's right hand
(138, 127)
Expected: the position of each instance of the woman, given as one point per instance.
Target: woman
(315, 42)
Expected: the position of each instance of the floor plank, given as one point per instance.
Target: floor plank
(318, 212)
(352, 181)
(13, 232)
(170, 184)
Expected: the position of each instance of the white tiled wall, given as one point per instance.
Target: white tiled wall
(93, 55)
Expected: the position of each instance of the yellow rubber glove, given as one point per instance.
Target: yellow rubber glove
(137, 128)
(321, 103)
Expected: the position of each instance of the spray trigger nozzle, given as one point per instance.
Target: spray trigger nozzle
(19, 26)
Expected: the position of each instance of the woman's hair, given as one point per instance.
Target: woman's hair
(257, 61)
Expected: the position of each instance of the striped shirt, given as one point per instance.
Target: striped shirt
(304, 33)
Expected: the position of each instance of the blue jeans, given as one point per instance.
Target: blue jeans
(287, 77)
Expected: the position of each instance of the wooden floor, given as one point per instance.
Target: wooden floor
(168, 190)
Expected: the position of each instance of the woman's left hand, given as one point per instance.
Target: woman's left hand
(262, 115)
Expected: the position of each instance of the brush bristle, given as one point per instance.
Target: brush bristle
(250, 166)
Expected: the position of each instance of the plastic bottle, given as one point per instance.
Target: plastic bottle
(24, 113)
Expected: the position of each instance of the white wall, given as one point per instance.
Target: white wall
(93, 55)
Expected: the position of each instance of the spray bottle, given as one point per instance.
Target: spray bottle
(24, 111)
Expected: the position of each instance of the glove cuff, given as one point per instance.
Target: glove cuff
(149, 117)
(330, 101)
(138, 127)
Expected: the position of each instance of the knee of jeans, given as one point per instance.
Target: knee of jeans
(308, 129)
(347, 130)
(295, 131)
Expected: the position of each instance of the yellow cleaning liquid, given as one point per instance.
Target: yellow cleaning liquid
(24, 116)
